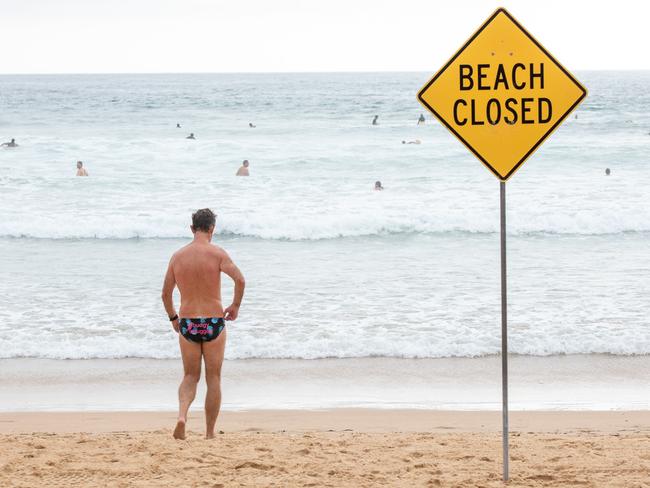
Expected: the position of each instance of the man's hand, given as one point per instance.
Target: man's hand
(175, 325)
(231, 312)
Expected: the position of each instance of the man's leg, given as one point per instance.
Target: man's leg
(191, 354)
(213, 352)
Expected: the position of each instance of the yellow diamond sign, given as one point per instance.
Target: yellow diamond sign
(502, 94)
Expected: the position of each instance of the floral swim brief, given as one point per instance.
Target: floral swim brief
(201, 330)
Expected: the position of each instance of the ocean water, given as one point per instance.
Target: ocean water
(334, 269)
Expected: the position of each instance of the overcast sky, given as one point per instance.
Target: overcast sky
(127, 36)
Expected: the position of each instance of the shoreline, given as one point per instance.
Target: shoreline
(366, 420)
(563, 383)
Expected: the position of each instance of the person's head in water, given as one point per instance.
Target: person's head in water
(79, 164)
(203, 220)
(607, 171)
(13, 141)
(178, 125)
(378, 185)
(245, 163)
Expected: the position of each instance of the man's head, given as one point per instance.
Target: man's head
(203, 220)
(79, 164)
(13, 141)
(245, 163)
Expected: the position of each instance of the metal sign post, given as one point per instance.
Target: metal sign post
(504, 331)
(502, 94)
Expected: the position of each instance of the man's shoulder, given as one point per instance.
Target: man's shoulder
(180, 252)
(218, 251)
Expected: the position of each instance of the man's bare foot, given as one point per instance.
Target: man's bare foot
(179, 431)
(209, 435)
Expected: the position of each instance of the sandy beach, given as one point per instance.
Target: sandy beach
(341, 447)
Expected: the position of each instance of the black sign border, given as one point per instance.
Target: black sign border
(460, 51)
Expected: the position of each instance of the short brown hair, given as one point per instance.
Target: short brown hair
(203, 220)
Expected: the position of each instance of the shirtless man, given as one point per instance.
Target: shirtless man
(243, 169)
(196, 270)
(11, 143)
(81, 171)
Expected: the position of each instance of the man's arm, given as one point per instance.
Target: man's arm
(167, 293)
(228, 267)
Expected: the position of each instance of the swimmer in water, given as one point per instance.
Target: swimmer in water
(421, 119)
(378, 186)
(11, 143)
(374, 121)
(416, 141)
(250, 124)
(81, 171)
(191, 136)
(178, 126)
(243, 170)
(607, 172)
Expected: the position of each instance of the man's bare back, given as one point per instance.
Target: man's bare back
(197, 270)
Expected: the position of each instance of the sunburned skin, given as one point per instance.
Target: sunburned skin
(197, 271)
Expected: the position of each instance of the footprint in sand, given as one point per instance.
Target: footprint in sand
(254, 465)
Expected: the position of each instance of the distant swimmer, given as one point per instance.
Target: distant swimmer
(11, 143)
(607, 172)
(378, 186)
(243, 170)
(421, 119)
(416, 141)
(374, 121)
(81, 171)
(191, 136)
(178, 126)
(250, 124)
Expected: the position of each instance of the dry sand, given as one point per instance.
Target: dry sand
(356, 448)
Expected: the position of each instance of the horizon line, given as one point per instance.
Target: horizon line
(90, 73)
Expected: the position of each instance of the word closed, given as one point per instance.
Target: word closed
(518, 108)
